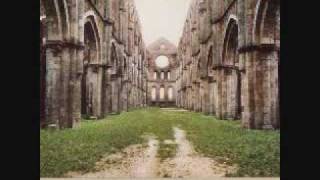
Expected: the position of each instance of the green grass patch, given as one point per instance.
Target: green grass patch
(256, 152)
(78, 149)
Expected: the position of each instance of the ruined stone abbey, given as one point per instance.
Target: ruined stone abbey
(94, 62)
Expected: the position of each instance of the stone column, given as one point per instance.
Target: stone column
(75, 85)
(114, 94)
(206, 97)
(53, 64)
(219, 92)
(212, 96)
(248, 74)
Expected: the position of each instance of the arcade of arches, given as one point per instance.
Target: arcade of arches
(94, 61)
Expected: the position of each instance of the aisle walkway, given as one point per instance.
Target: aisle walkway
(138, 161)
(156, 143)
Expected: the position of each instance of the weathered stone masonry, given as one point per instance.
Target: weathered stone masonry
(229, 54)
(92, 60)
(161, 80)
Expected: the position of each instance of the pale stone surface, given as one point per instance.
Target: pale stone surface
(161, 79)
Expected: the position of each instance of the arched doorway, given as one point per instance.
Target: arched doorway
(88, 78)
(232, 84)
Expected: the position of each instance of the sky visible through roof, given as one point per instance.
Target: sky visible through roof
(162, 18)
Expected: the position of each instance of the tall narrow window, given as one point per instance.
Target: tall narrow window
(170, 95)
(153, 94)
(169, 75)
(162, 75)
(162, 93)
(155, 75)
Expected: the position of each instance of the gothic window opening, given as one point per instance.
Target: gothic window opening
(153, 94)
(232, 76)
(90, 56)
(161, 93)
(170, 94)
(155, 75)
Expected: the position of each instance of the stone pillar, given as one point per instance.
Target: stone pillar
(269, 70)
(124, 95)
(232, 88)
(248, 74)
(275, 105)
(212, 96)
(219, 92)
(118, 93)
(64, 91)
(224, 94)
(75, 84)
(114, 94)
(53, 55)
(205, 97)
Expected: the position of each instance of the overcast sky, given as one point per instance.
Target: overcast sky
(162, 18)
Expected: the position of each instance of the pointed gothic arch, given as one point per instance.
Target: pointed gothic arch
(232, 77)
(91, 56)
(57, 16)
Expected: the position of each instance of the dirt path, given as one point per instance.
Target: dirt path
(188, 163)
(135, 161)
(138, 161)
(146, 166)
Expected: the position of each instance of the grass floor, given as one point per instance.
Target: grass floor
(256, 152)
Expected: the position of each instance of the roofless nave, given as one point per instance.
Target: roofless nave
(94, 61)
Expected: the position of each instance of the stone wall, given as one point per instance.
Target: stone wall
(229, 54)
(92, 60)
(162, 78)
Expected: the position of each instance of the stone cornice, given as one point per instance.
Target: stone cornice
(59, 44)
(96, 66)
(260, 47)
(231, 67)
